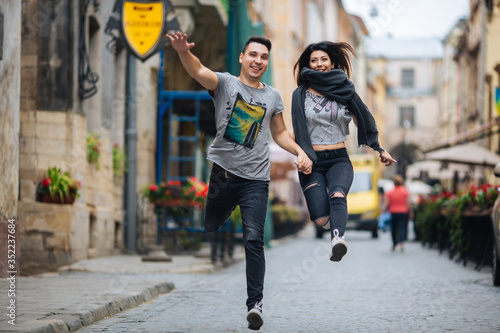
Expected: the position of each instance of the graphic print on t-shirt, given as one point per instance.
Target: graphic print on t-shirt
(245, 122)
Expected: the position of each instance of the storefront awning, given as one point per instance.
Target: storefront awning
(441, 170)
(469, 154)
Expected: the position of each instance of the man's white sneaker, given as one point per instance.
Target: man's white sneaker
(254, 317)
(339, 246)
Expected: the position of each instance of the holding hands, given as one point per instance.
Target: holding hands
(303, 163)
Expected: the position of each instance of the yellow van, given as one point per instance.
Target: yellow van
(363, 201)
(363, 198)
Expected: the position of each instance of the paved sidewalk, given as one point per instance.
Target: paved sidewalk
(93, 289)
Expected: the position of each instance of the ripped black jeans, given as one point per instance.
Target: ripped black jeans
(332, 173)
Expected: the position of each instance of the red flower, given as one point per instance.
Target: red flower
(174, 183)
(447, 194)
(46, 182)
(205, 191)
(116, 145)
(153, 188)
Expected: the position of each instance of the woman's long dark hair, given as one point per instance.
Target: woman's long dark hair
(339, 53)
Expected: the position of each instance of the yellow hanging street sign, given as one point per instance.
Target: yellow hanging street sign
(142, 24)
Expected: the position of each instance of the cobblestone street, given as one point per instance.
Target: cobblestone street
(371, 290)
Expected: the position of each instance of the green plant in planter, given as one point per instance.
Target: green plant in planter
(119, 161)
(476, 200)
(93, 148)
(59, 184)
(443, 217)
(430, 219)
(485, 195)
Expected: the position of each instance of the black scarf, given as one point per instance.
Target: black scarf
(335, 85)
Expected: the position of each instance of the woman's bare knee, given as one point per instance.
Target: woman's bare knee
(321, 221)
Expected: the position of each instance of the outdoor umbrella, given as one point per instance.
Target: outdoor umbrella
(470, 154)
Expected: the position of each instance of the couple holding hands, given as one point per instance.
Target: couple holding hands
(246, 109)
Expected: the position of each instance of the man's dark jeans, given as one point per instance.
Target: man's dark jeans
(224, 194)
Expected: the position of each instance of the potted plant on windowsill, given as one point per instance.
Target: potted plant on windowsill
(58, 187)
(93, 149)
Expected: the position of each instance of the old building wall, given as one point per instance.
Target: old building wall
(147, 100)
(492, 73)
(10, 76)
(55, 121)
(410, 70)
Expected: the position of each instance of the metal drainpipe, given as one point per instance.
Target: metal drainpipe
(131, 142)
(482, 63)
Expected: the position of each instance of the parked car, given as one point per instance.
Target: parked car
(495, 219)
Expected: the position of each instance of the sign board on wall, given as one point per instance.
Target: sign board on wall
(143, 24)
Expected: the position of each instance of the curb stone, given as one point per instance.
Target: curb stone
(68, 321)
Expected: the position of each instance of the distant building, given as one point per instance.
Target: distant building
(409, 69)
(469, 88)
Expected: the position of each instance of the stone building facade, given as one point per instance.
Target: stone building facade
(64, 77)
(10, 80)
(70, 87)
(469, 85)
(409, 69)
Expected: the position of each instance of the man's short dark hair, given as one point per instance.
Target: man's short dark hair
(258, 39)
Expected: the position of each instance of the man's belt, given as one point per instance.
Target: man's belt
(226, 173)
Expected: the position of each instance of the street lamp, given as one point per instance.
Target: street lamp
(406, 127)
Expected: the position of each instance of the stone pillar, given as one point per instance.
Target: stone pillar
(10, 78)
(10, 81)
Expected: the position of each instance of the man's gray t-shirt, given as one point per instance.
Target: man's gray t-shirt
(243, 117)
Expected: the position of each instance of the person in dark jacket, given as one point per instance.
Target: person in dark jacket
(322, 107)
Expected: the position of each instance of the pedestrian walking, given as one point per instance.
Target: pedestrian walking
(398, 202)
(245, 110)
(322, 107)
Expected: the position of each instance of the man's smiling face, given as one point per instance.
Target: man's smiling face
(254, 61)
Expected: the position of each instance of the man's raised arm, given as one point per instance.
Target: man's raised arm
(206, 77)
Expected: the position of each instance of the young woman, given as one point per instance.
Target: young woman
(322, 107)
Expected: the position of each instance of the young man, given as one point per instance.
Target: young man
(245, 110)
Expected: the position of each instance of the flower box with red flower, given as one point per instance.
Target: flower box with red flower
(479, 200)
(174, 193)
(58, 187)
